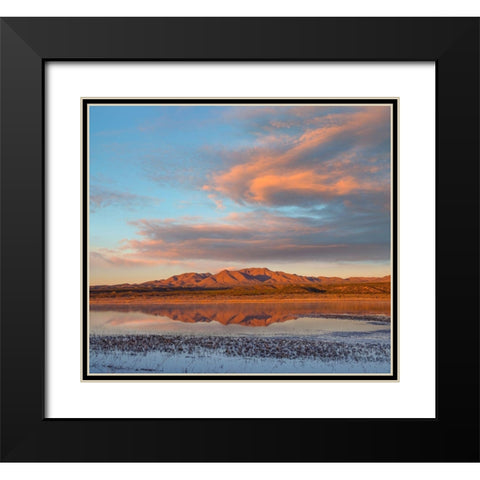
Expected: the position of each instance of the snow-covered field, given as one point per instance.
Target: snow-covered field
(339, 353)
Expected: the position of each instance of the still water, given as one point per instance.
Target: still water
(242, 318)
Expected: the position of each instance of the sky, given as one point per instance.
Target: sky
(303, 189)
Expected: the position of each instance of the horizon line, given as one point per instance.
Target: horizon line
(239, 270)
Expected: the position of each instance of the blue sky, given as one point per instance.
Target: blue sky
(303, 189)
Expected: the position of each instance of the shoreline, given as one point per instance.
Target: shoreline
(167, 300)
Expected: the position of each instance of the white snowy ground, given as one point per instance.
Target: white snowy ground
(155, 354)
(160, 362)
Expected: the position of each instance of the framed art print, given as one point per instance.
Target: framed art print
(211, 229)
(239, 238)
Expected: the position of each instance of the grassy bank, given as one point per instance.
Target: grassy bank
(264, 293)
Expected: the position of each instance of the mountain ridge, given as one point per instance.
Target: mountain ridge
(245, 277)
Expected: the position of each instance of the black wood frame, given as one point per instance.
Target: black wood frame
(28, 43)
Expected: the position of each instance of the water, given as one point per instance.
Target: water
(241, 338)
(240, 318)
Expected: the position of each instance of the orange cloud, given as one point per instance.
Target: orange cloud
(332, 160)
(218, 202)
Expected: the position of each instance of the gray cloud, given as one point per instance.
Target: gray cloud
(101, 197)
(261, 236)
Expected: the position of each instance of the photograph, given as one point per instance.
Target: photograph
(239, 239)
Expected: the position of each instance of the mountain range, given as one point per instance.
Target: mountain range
(247, 277)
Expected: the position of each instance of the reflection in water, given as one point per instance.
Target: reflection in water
(244, 318)
(224, 338)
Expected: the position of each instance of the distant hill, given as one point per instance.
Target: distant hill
(247, 277)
